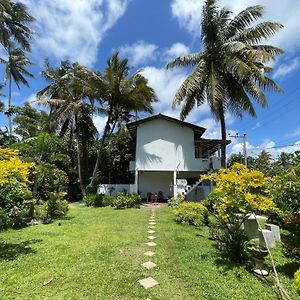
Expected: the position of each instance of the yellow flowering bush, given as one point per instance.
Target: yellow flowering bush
(297, 280)
(240, 190)
(12, 167)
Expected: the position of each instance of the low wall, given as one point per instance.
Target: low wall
(113, 189)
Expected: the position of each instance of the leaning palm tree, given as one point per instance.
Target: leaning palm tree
(231, 71)
(119, 94)
(16, 70)
(14, 21)
(65, 96)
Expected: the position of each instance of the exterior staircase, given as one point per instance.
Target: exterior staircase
(190, 188)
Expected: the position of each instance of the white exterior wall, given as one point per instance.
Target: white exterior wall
(113, 189)
(154, 182)
(166, 146)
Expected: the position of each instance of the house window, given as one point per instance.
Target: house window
(198, 152)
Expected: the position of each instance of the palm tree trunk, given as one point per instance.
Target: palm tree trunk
(100, 152)
(9, 106)
(79, 159)
(223, 134)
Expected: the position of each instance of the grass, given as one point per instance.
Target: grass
(96, 254)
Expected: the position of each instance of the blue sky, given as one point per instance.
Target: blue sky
(152, 32)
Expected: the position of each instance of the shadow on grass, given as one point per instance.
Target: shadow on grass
(289, 268)
(10, 251)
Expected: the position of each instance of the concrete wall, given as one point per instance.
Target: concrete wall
(164, 145)
(113, 189)
(154, 182)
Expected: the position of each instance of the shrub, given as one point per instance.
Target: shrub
(230, 239)
(191, 213)
(239, 191)
(50, 179)
(291, 241)
(125, 200)
(4, 219)
(297, 280)
(95, 200)
(13, 194)
(176, 201)
(57, 205)
(108, 200)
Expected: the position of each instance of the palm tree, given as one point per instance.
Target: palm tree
(14, 21)
(16, 71)
(68, 110)
(231, 70)
(118, 95)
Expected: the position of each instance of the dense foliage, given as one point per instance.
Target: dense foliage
(297, 280)
(191, 213)
(125, 200)
(239, 192)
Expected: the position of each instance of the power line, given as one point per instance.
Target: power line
(275, 147)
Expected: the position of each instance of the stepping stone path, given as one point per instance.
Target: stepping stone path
(149, 282)
(149, 265)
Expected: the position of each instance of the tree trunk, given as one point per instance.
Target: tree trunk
(100, 152)
(79, 159)
(9, 105)
(223, 134)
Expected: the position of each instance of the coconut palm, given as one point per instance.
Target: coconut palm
(15, 70)
(14, 21)
(68, 110)
(231, 70)
(120, 94)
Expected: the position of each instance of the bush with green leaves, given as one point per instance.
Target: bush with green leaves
(95, 200)
(4, 219)
(191, 213)
(125, 200)
(176, 201)
(108, 200)
(14, 194)
(57, 205)
(291, 241)
(297, 280)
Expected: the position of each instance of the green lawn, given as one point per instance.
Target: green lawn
(96, 254)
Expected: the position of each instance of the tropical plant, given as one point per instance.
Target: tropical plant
(14, 21)
(238, 193)
(232, 68)
(118, 95)
(297, 280)
(15, 70)
(191, 213)
(125, 200)
(70, 113)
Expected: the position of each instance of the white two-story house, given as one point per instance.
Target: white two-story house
(170, 156)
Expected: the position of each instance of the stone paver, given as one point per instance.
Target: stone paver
(151, 231)
(151, 244)
(148, 282)
(149, 253)
(151, 226)
(151, 237)
(149, 265)
(152, 223)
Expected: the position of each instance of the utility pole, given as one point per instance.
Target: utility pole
(244, 137)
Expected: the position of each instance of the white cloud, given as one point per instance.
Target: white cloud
(176, 50)
(139, 52)
(188, 14)
(287, 67)
(73, 29)
(295, 133)
(99, 122)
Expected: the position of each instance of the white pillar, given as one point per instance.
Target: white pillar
(174, 183)
(136, 181)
